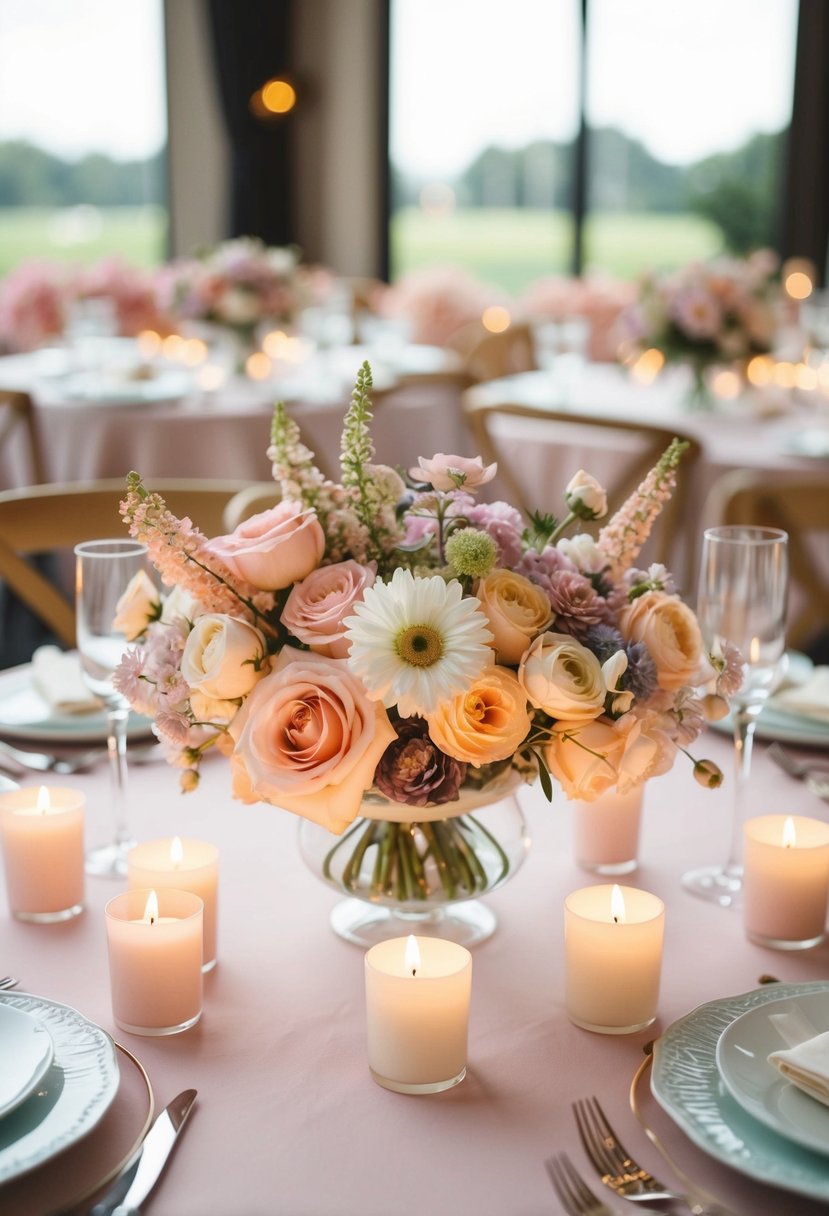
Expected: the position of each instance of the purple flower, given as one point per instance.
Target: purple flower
(576, 604)
(502, 522)
(414, 771)
(542, 568)
(640, 678)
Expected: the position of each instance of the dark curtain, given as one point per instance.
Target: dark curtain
(251, 43)
(805, 227)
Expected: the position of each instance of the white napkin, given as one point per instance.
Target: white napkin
(806, 1066)
(810, 699)
(56, 674)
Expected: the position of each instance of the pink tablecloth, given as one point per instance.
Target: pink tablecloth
(288, 1120)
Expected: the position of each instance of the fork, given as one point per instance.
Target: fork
(45, 762)
(574, 1193)
(814, 773)
(619, 1171)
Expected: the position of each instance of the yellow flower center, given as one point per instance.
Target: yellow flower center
(419, 645)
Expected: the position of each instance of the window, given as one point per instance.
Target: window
(82, 130)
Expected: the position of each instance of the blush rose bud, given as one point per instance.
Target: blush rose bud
(708, 774)
(714, 707)
(585, 497)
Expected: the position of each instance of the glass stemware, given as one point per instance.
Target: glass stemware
(103, 572)
(743, 588)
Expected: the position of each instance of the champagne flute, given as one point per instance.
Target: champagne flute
(743, 587)
(103, 572)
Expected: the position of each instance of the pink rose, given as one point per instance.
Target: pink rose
(315, 608)
(308, 739)
(275, 548)
(453, 472)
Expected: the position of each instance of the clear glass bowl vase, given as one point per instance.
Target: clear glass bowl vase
(420, 870)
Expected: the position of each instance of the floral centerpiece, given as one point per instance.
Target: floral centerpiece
(706, 313)
(393, 641)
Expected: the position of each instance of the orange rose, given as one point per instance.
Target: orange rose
(488, 722)
(670, 632)
(517, 611)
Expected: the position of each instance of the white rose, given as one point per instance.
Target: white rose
(138, 607)
(585, 497)
(583, 552)
(223, 657)
(180, 604)
(563, 678)
(211, 709)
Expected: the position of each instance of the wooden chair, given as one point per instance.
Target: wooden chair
(487, 356)
(45, 519)
(258, 496)
(633, 446)
(799, 504)
(17, 414)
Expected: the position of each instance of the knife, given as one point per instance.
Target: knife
(140, 1175)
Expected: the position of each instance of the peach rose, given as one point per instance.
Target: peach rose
(563, 678)
(449, 472)
(486, 723)
(308, 739)
(669, 630)
(517, 611)
(138, 607)
(315, 608)
(223, 657)
(589, 758)
(275, 548)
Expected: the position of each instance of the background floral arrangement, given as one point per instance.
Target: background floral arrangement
(397, 636)
(707, 312)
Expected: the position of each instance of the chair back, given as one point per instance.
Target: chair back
(46, 519)
(17, 418)
(538, 450)
(799, 504)
(488, 356)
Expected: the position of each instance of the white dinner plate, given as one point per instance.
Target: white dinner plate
(686, 1083)
(759, 1087)
(73, 1094)
(24, 714)
(26, 1051)
(812, 441)
(103, 388)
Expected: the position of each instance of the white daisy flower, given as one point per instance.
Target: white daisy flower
(417, 641)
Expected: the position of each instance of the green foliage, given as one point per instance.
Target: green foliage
(33, 177)
(737, 192)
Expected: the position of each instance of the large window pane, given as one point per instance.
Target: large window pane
(82, 130)
(483, 117)
(688, 103)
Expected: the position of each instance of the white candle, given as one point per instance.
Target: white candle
(42, 832)
(417, 1007)
(606, 832)
(186, 865)
(155, 960)
(786, 881)
(613, 957)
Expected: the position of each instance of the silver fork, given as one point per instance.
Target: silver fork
(45, 762)
(814, 773)
(620, 1172)
(576, 1197)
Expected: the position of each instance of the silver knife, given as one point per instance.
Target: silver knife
(139, 1177)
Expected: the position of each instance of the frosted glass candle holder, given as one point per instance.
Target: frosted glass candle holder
(42, 830)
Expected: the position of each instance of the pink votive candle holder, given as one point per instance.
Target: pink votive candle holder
(42, 831)
(786, 881)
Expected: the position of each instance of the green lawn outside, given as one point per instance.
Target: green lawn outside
(510, 248)
(136, 233)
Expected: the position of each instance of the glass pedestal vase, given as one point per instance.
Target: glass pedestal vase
(420, 870)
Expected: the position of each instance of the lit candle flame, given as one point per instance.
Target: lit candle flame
(176, 852)
(151, 909)
(412, 955)
(754, 650)
(43, 804)
(617, 904)
(789, 836)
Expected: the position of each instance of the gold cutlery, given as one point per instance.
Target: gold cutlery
(574, 1193)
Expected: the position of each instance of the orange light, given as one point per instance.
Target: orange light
(760, 370)
(617, 905)
(149, 343)
(727, 385)
(798, 286)
(173, 347)
(647, 367)
(194, 352)
(278, 97)
(805, 377)
(496, 319)
(257, 366)
(789, 834)
(784, 375)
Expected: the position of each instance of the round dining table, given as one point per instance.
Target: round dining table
(288, 1120)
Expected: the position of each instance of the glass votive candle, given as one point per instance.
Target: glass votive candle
(606, 832)
(42, 833)
(186, 865)
(786, 881)
(613, 957)
(417, 1007)
(155, 960)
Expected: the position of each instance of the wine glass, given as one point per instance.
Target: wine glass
(103, 572)
(743, 587)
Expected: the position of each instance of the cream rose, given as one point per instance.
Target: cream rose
(669, 631)
(585, 497)
(308, 739)
(589, 758)
(583, 552)
(563, 678)
(486, 723)
(211, 709)
(223, 657)
(138, 607)
(446, 472)
(180, 604)
(517, 612)
(315, 608)
(275, 548)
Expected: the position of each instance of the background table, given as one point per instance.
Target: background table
(288, 1119)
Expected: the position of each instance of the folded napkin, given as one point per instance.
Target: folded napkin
(806, 1066)
(810, 699)
(56, 674)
